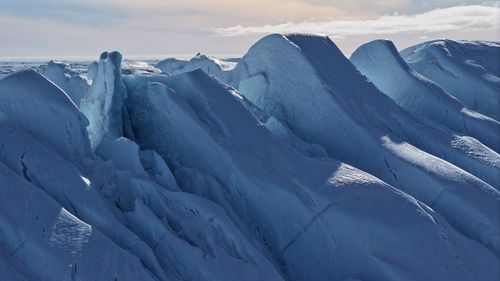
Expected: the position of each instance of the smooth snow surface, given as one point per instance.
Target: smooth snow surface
(287, 165)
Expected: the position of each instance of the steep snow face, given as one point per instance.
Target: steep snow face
(288, 202)
(306, 83)
(381, 63)
(35, 104)
(103, 104)
(468, 70)
(72, 83)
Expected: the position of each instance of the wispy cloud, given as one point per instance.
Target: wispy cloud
(464, 18)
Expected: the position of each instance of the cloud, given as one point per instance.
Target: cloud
(390, 6)
(463, 18)
(79, 12)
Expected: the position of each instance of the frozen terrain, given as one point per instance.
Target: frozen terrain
(381, 63)
(292, 163)
(468, 70)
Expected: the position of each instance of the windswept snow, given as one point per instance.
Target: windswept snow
(118, 200)
(308, 198)
(286, 165)
(43, 241)
(381, 63)
(306, 83)
(468, 70)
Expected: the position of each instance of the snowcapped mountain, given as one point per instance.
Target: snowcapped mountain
(291, 163)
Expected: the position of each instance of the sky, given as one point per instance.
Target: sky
(66, 29)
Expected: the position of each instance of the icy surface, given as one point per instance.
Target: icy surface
(381, 63)
(118, 199)
(313, 88)
(32, 102)
(308, 198)
(297, 169)
(210, 65)
(103, 104)
(468, 70)
(170, 65)
(72, 83)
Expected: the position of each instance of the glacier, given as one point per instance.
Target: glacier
(291, 163)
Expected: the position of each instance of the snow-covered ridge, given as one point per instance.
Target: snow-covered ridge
(381, 63)
(468, 70)
(287, 164)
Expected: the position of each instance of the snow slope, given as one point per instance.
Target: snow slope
(306, 83)
(468, 70)
(177, 176)
(205, 134)
(106, 219)
(22, 107)
(483, 162)
(381, 63)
